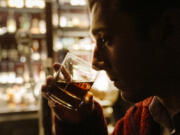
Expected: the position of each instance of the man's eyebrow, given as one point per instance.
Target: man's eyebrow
(95, 31)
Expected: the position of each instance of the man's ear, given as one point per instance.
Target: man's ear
(170, 28)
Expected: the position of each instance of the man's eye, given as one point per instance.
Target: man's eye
(104, 42)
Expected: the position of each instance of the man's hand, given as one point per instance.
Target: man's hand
(61, 111)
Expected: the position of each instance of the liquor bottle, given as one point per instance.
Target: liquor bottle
(3, 66)
(23, 39)
(25, 22)
(35, 26)
(11, 23)
(42, 26)
(12, 58)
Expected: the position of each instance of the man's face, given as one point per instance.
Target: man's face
(127, 58)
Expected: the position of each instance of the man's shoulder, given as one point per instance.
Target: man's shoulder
(144, 103)
(137, 116)
(139, 107)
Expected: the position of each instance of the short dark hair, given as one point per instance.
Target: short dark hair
(135, 5)
(146, 12)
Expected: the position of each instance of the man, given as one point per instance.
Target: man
(137, 43)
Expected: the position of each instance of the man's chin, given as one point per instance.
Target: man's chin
(132, 97)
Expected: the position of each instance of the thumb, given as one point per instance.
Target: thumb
(88, 103)
(88, 98)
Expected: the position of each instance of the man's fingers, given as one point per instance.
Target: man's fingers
(87, 104)
(51, 103)
(88, 98)
(49, 80)
(66, 74)
(56, 66)
(44, 88)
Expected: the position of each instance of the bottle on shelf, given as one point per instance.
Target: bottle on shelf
(25, 22)
(11, 3)
(11, 23)
(3, 3)
(43, 50)
(35, 26)
(3, 65)
(55, 20)
(35, 56)
(12, 58)
(42, 26)
(16, 3)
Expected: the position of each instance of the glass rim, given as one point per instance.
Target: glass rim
(69, 54)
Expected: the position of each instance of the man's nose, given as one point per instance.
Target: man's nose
(98, 60)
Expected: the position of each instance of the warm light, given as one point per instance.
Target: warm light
(11, 29)
(11, 25)
(43, 56)
(35, 56)
(11, 3)
(3, 77)
(42, 26)
(82, 2)
(19, 3)
(88, 47)
(37, 88)
(17, 97)
(3, 30)
(74, 2)
(29, 98)
(63, 21)
(110, 128)
(42, 75)
(3, 3)
(29, 3)
(76, 47)
(101, 83)
(19, 80)
(35, 45)
(40, 3)
(78, 2)
(55, 19)
(57, 45)
(75, 21)
(35, 26)
(27, 85)
(11, 77)
(22, 59)
(26, 76)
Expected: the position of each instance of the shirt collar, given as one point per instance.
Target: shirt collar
(160, 114)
